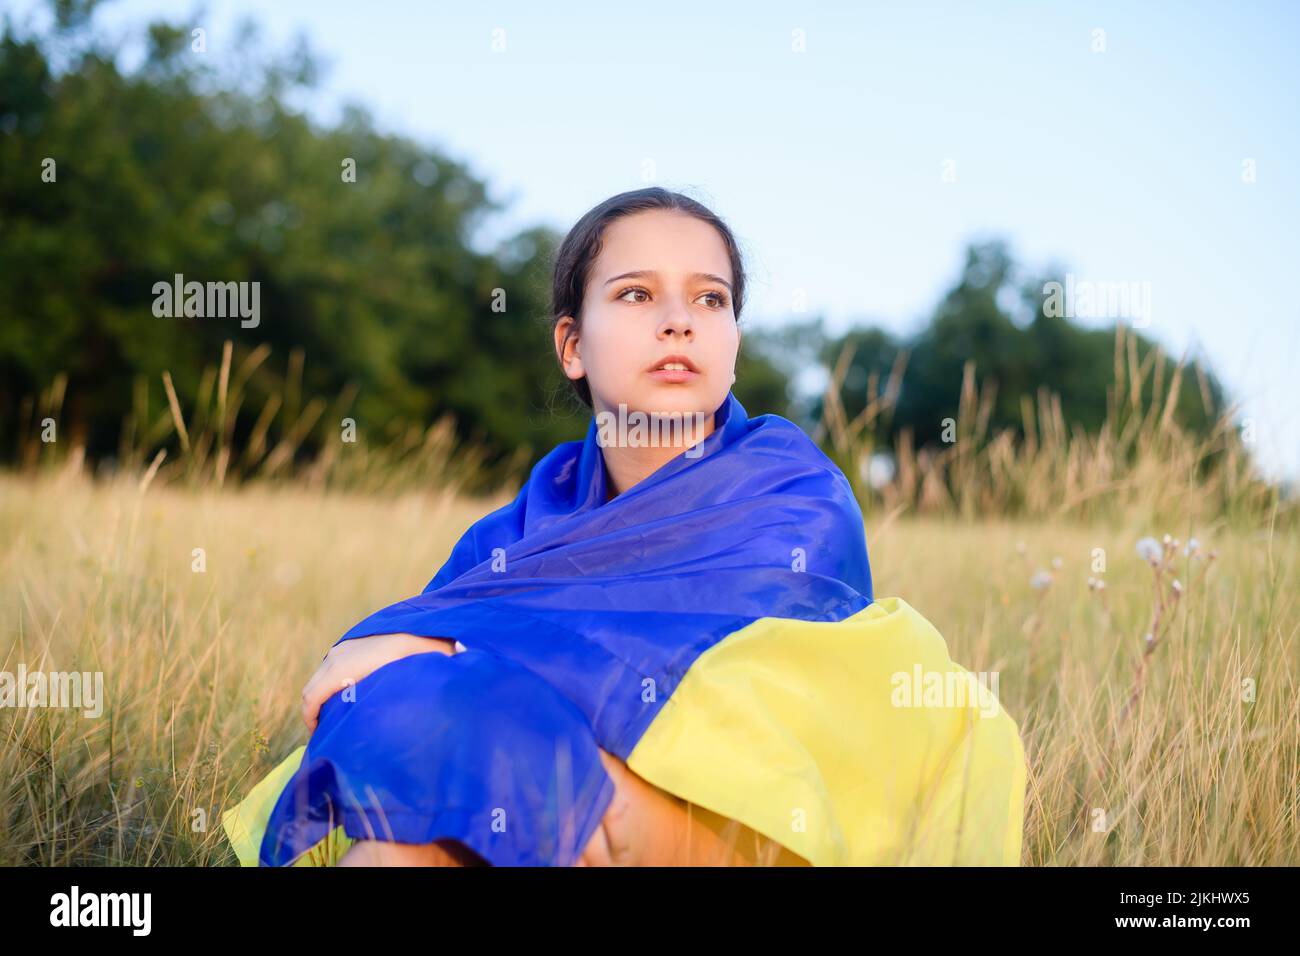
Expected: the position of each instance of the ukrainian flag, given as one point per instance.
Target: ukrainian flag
(713, 626)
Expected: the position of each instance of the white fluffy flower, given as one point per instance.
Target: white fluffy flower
(1149, 549)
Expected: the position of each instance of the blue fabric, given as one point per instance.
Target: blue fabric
(580, 616)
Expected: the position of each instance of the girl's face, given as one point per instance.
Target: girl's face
(661, 286)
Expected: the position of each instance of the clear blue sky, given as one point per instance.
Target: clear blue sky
(1120, 166)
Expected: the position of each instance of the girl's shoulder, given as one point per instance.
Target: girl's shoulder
(773, 434)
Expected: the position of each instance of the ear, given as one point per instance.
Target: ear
(567, 351)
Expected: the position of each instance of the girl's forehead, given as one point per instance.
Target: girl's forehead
(663, 242)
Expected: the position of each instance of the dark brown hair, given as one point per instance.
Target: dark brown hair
(583, 243)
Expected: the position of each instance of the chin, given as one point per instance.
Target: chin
(677, 399)
(668, 399)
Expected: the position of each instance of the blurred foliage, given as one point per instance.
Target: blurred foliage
(178, 167)
(374, 302)
(998, 322)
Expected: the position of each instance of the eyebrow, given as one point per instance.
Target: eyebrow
(650, 273)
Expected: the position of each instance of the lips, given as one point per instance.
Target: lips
(675, 362)
(674, 374)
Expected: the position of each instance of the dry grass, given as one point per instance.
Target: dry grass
(203, 670)
(1139, 753)
(1125, 472)
(305, 443)
(1193, 774)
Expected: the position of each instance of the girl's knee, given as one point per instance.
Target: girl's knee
(385, 853)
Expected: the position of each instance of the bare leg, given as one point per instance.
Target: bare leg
(385, 853)
(647, 826)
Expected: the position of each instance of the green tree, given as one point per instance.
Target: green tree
(196, 165)
(996, 319)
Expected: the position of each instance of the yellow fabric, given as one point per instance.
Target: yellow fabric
(793, 729)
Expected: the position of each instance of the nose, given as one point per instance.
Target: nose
(677, 318)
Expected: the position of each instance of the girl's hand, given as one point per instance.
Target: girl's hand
(353, 659)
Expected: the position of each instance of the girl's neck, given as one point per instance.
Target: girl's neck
(627, 466)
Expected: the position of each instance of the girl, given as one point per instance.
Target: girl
(661, 653)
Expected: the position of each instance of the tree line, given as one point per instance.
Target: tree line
(191, 168)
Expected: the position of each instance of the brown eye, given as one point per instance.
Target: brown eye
(633, 289)
(722, 299)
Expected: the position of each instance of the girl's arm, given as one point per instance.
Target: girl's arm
(643, 826)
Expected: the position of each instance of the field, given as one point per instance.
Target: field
(204, 655)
